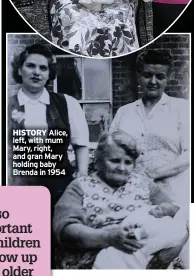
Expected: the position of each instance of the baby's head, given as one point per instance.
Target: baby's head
(164, 209)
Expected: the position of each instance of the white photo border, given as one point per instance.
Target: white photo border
(60, 272)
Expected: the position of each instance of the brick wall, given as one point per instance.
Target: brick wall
(178, 85)
(124, 81)
(178, 46)
(125, 87)
(16, 43)
(37, 16)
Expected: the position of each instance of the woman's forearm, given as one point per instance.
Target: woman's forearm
(83, 236)
(82, 159)
(180, 164)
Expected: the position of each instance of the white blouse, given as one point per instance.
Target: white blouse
(164, 129)
(161, 136)
(35, 116)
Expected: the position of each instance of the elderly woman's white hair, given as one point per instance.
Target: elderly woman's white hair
(109, 139)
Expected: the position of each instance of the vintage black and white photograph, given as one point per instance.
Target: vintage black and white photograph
(110, 140)
(100, 28)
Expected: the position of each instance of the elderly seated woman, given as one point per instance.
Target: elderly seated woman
(89, 216)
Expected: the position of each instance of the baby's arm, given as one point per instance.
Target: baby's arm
(157, 196)
(154, 233)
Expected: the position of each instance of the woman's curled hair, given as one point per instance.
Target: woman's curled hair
(39, 49)
(119, 138)
(152, 56)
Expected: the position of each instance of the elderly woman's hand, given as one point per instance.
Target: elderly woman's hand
(121, 239)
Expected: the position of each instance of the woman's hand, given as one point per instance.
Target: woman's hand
(79, 174)
(82, 160)
(164, 257)
(121, 238)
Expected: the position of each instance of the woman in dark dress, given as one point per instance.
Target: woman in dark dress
(33, 107)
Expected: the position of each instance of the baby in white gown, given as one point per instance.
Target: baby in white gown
(157, 227)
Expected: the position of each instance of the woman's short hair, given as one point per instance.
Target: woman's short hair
(119, 138)
(152, 56)
(40, 49)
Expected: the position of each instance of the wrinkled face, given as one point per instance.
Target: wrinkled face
(153, 80)
(34, 72)
(117, 166)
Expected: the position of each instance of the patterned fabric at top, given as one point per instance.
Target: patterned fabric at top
(110, 32)
(38, 15)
